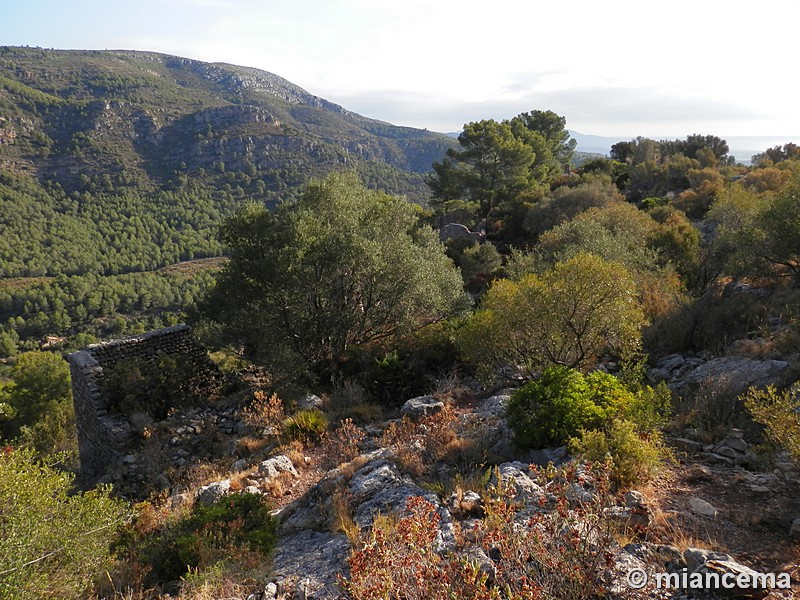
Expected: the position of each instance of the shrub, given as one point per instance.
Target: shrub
(571, 315)
(235, 523)
(550, 410)
(556, 554)
(52, 541)
(562, 402)
(306, 425)
(632, 458)
(39, 399)
(265, 412)
(349, 400)
(343, 444)
(419, 445)
(777, 411)
(398, 559)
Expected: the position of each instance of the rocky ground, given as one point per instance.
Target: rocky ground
(720, 506)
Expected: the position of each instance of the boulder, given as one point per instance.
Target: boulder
(705, 561)
(379, 487)
(420, 407)
(515, 474)
(308, 562)
(794, 531)
(310, 401)
(272, 467)
(739, 372)
(208, 494)
(701, 507)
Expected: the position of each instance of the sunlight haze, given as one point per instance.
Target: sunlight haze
(621, 68)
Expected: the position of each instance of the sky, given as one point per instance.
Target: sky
(611, 68)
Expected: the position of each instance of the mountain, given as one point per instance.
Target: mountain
(68, 115)
(595, 144)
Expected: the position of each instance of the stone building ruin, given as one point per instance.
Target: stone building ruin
(104, 436)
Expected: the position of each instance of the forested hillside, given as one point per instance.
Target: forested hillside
(118, 163)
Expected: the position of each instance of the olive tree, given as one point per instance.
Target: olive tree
(341, 267)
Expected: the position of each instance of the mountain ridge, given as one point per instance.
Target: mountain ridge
(125, 103)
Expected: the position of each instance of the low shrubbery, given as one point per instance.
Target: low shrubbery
(306, 425)
(558, 405)
(236, 527)
(559, 553)
(777, 411)
(598, 416)
(52, 541)
(632, 457)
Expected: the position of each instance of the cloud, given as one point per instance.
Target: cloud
(636, 111)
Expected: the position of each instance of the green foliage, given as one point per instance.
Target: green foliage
(569, 316)
(567, 202)
(479, 262)
(651, 409)
(49, 232)
(306, 425)
(507, 162)
(342, 267)
(777, 411)
(52, 541)
(632, 458)
(198, 540)
(39, 401)
(759, 235)
(492, 168)
(616, 232)
(562, 402)
(86, 307)
(776, 154)
(153, 386)
(555, 407)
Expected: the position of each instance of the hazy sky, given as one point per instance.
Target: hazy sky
(614, 67)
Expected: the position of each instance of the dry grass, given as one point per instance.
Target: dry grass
(295, 451)
(279, 486)
(341, 519)
(349, 400)
(248, 445)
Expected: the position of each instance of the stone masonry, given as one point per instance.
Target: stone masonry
(104, 436)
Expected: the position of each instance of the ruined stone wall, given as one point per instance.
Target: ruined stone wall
(103, 436)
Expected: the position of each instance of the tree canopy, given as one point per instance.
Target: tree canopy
(342, 267)
(511, 160)
(568, 316)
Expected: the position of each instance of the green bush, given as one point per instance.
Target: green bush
(777, 411)
(52, 541)
(633, 458)
(550, 410)
(573, 314)
(39, 383)
(562, 402)
(306, 425)
(207, 533)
